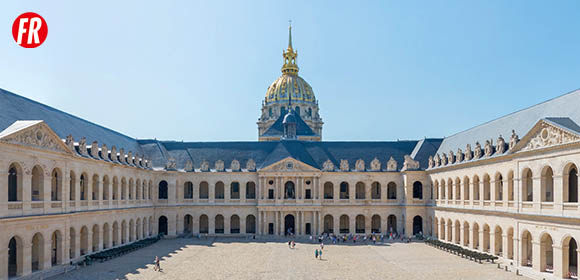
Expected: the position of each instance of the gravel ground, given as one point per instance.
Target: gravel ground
(238, 258)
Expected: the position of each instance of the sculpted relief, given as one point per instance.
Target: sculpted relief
(548, 136)
(375, 164)
(392, 164)
(328, 165)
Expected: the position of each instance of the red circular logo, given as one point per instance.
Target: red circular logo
(29, 30)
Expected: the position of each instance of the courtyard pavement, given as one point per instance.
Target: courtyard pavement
(240, 258)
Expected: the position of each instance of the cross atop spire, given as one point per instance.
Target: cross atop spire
(290, 34)
(290, 55)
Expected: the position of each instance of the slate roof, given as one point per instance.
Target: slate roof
(562, 110)
(265, 153)
(277, 129)
(15, 107)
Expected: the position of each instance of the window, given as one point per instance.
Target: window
(418, 190)
(308, 194)
(270, 194)
(344, 190)
(162, 190)
(235, 190)
(188, 190)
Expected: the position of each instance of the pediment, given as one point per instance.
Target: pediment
(33, 134)
(544, 134)
(289, 165)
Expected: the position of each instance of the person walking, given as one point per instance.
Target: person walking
(157, 266)
(320, 254)
(316, 253)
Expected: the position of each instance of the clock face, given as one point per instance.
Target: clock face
(289, 165)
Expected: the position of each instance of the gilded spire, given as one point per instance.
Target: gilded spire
(290, 55)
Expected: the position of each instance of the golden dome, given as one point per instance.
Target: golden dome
(290, 82)
(285, 85)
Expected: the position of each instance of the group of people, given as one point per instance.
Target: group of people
(291, 244)
(318, 252)
(354, 238)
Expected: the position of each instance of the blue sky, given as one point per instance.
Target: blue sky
(381, 70)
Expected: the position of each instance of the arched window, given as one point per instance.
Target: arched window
(392, 190)
(417, 190)
(475, 188)
(527, 186)
(56, 185)
(234, 190)
(376, 224)
(571, 184)
(234, 224)
(328, 190)
(219, 190)
(203, 190)
(510, 183)
(219, 224)
(344, 224)
(37, 184)
(360, 190)
(95, 190)
(289, 192)
(14, 183)
(203, 224)
(547, 185)
(162, 190)
(344, 190)
(466, 187)
(328, 224)
(360, 224)
(162, 227)
(376, 190)
(250, 190)
(188, 190)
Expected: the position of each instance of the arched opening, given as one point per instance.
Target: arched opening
(392, 224)
(106, 187)
(417, 190)
(289, 192)
(526, 249)
(84, 186)
(344, 192)
(84, 240)
(289, 224)
(56, 185)
(465, 234)
(475, 187)
(442, 235)
(376, 224)
(234, 224)
(391, 190)
(116, 234)
(527, 186)
(37, 253)
(95, 190)
(328, 224)
(56, 248)
(96, 241)
(250, 190)
(219, 224)
(328, 190)
(457, 233)
(475, 236)
(570, 183)
(72, 243)
(162, 227)
(37, 184)
(376, 190)
(203, 224)
(457, 189)
(510, 243)
(449, 230)
(188, 190)
(219, 190)
(486, 238)
(115, 188)
(546, 253)
(569, 257)
(14, 183)
(203, 190)
(360, 190)
(466, 188)
(15, 257)
(123, 189)
(417, 225)
(498, 190)
(486, 187)
(187, 224)
(250, 224)
(360, 224)
(234, 190)
(344, 224)
(162, 190)
(547, 185)
(106, 236)
(498, 242)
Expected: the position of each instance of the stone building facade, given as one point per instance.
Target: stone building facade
(69, 187)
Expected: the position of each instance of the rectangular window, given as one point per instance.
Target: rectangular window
(271, 228)
(308, 194)
(270, 194)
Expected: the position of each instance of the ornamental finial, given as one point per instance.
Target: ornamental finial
(289, 34)
(290, 55)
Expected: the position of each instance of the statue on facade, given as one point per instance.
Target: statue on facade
(113, 153)
(431, 162)
(235, 165)
(500, 145)
(514, 139)
(443, 159)
(70, 142)
(488, 148)
(83, 146)
(468, 153)
(451, 157)
(437, 160)
(410, 163)
(251, 165)
(477, 153)
(459, 157)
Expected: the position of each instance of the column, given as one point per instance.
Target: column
(481, 238)
(492, 241)
(242, 194)
(277, 220)
(26, 257)
(352, 224)
(317, 187)
(227, 225)
(46, 262)
(461, 235)
(259, 221)
(277, 192)
(26, 191)
(537, 258)
(504, 243)
(558, 193)
(471, 239)
(336, 224)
